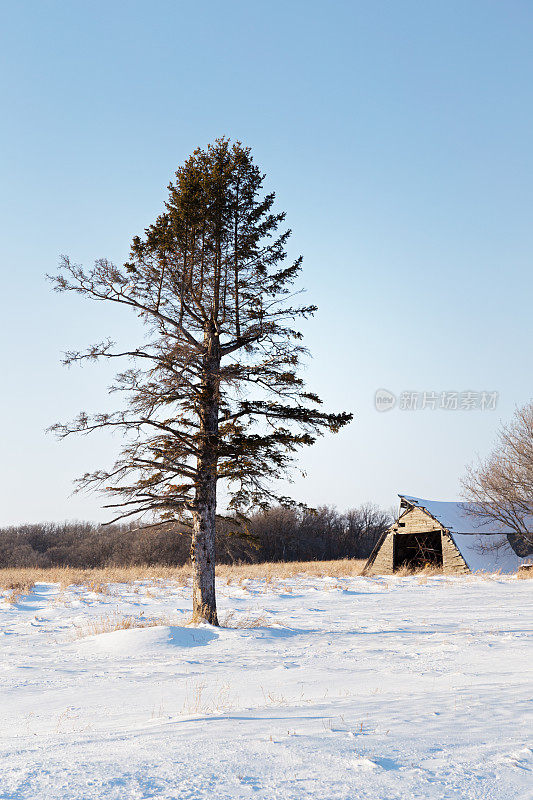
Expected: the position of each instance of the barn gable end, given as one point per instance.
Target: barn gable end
(416, 520)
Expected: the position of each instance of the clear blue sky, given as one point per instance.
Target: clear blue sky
(398, 137)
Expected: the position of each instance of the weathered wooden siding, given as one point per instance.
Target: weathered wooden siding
(416, 521)
(383, 562)
(452, 560)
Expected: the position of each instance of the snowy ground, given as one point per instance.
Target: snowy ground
(381, 688)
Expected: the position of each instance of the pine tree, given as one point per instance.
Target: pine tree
(214, 393)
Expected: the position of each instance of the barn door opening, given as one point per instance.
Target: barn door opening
(417, 550)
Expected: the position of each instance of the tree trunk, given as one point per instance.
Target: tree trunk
(204, 512)
(204, 607)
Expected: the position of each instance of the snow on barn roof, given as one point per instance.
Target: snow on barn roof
(455, 516)
(483, 544)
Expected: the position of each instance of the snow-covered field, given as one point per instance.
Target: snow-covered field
(379, 688)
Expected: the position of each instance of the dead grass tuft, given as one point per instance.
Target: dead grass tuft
(16, 580)
(14, 595)
(423, 572)
(115, 622)
(233, 620)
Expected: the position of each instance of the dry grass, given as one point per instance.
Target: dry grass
(232, 620)
(425, 572)
(20, 581)
(115, 622)
(343, 568)
(98, 580)
(204, 698)
(106, 623)
(14, 595)
(23, 579)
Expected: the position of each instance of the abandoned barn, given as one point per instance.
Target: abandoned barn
(447, 535)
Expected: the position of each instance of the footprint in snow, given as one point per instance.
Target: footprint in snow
(247, 780)
(363, 764)
(521, 759)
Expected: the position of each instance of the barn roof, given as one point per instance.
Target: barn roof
(483, 545)
(455, 516)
